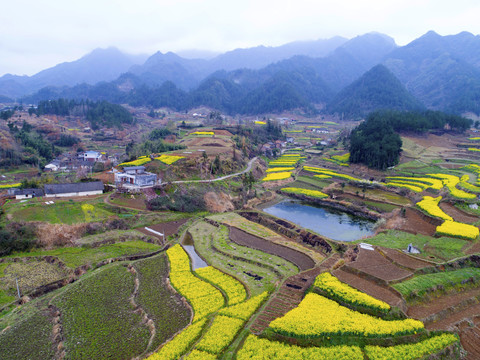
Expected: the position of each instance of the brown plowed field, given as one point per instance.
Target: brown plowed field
(375, 264)
(405, 260)
(457, 214)
(302, 261)
(287, 298)
(450, 321)
(424, 310)
(415, 222)
(369, 287)
(170, 228)
(475, 248)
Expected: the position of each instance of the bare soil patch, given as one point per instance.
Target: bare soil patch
(222, 132)
(422, 311)
(369, 287)
(134, 201)
(413, 222)
(375, 264)
(170, 227)
(287, 298)
(404, 260)
(457, 214)
(450, 321)
(475, 248)
(302, 261)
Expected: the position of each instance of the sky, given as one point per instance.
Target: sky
(35, 35)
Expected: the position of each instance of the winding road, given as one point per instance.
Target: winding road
(247, 169)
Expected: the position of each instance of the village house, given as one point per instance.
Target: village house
(74, 189)
(93, 156)
(135, 177)
(26, 193)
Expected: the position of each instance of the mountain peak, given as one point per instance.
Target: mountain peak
(377, 89)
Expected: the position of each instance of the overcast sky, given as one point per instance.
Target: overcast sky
(37, 34)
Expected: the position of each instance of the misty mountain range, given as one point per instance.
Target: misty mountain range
(349, 77)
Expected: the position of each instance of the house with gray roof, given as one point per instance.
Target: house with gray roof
(135, 177)
(74, 189)
(27, 193)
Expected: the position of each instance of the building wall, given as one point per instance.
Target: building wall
(72, 194)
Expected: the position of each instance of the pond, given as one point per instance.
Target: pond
(197, 261)
(331, 223)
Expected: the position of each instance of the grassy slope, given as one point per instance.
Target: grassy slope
(441, 249)
(205, 235)
(98, 319)
(29, 338)
(61, 212)
(161, 304)
(448, 280)
(76, 256)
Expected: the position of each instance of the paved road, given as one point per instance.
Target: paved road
(247, 169)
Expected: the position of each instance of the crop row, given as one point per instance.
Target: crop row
(199, 355)
(323, 171)
(337, 290)
(169, 159)
(411, 351)
(138, 162)
(245, 309)
(220, 334)
(456, 229)
(277, 169)
(203, 297)
(176, 347)
(451, 182)
(202, 133)
(264, 349)
(228, 323)
(430, 205)
(233, 288)
(405, 185)
(277, 176)
(317, 316)
(420, 284)
(466, 185)
(435, 184)
(256, 348)
(307, 192)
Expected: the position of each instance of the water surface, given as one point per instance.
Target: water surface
(328, 222)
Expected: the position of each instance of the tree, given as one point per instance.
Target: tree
(375, 144)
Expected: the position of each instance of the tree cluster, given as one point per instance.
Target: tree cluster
(101, 113)
(422, 121)
(375, 143)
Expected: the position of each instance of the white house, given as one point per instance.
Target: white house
(135, 177)
(93, 156)
(74, 189)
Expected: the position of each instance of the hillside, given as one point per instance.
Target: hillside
(376, 89)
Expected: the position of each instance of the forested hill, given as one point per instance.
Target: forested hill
(440, 72)
(99, 114)
(376, 141)
(378, 88)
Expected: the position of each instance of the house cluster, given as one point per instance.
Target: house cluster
(60, 190)
(268, 148)
(81, 160)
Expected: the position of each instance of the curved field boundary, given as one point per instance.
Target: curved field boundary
(289, 295)
(370, 287)
(243, 259)
(289, 230)
(240, 237)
